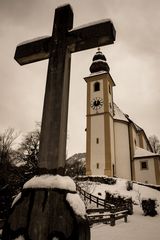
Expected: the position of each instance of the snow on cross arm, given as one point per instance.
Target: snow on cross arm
(32, 40)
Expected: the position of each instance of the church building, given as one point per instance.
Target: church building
(116, 146)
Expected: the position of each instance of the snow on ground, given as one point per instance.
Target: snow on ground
(19, 238)
(138, 227)
(138, 193)
(16, 199)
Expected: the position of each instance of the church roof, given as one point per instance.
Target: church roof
(99, 63)
(137, 127)
(143, 153)
(119, 115)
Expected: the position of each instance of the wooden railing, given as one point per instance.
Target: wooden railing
(98, 201)
(108, 217)
(107, 213)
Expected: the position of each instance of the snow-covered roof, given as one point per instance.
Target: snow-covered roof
(97, 73)
(137, 127)
(118, 114)
(142, 153)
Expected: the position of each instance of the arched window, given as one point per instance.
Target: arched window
(96, 86)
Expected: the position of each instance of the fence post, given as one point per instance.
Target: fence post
(84, 195)
(112, 219)
(97, 202)
(90, 198)
(125, 218)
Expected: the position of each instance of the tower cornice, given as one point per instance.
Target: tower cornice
(98, 75)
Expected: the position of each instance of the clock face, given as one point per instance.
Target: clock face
(97, 103)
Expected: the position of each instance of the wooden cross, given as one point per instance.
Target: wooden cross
(58, 49)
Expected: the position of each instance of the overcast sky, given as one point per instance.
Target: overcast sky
(134, 62)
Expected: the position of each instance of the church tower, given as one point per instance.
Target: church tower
(100, 130)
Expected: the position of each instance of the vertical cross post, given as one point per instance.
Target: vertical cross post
(55, 110)
(58, 49)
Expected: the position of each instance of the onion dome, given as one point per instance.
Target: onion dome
(99, 63)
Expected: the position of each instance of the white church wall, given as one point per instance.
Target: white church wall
(110, 98)
(145, 175)
(122, 150)
(112, 142)
(97, 149)
(136, 141)
(145, 144)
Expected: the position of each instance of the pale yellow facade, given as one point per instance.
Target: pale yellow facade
(113, 139)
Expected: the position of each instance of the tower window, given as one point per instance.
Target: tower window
(113, 167)
(97, 140)
(109, 88)
(97, 165)
(144, 165)
(96, 87)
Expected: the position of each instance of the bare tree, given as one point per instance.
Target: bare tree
(6, 142)
(155, 143)
(29, 147)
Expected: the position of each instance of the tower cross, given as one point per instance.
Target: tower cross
(58, 49)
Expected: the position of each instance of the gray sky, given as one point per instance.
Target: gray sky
(133, 60)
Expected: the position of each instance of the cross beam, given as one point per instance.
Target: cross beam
(58, 49)
(98, 34)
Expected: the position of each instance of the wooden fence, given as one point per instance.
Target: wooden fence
(108, 217)
(105, 212)
(98, 201)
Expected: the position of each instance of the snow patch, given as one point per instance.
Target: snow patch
(76, 203)
(20, 164)
(99, 60)
(139, 227)
(16, 199)
(20, 238)
(50, 181)
(91, 24)
(32, 40)
(118, 114)
(138, 193)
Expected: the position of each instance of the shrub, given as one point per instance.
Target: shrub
(98, 179)
(129, 185)
(149, 207)
(120, 202)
